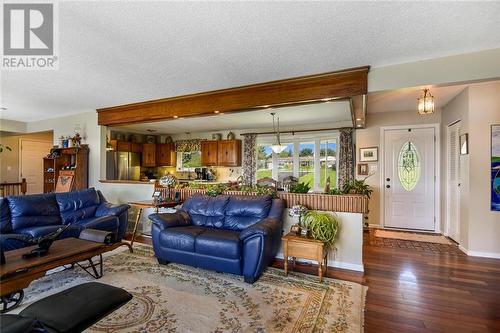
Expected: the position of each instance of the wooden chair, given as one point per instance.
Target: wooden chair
(7, 189)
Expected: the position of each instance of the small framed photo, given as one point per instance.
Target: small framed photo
(464, 144)
(363, 169)
(369, 154)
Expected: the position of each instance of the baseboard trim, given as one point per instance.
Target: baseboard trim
(463, 249)
(332, 263)
(484, 254)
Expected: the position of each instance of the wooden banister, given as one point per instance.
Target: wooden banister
(19, 188)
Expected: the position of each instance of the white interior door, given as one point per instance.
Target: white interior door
(32, 154)
(453, 181)
(409, 178)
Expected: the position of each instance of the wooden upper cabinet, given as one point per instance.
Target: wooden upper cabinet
(136, 147)
(209, 153)
(165, 154)
(229, 153)
(149, 155)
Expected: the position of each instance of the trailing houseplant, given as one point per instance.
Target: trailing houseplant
(300, 188)
(215, 190)
(323, 226)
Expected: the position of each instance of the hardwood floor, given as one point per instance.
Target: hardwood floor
(416, 288)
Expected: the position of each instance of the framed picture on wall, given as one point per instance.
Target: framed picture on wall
(369, 154)
(464, 144)
(495, 167)
(363, 169)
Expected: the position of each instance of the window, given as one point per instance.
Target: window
(408, 166)
(187, 161)
(310, 159)
(328, 162)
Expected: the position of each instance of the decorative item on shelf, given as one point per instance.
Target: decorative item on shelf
(231, 136)
(77, 139)
(150, 139)
(363, 169)
(425, 103)
(168, 139)
(61, 141)
(65, 143)
(299, 211)
(323, 226)
(368, 154)
(277, 147)
(295, 229)
(216, 136)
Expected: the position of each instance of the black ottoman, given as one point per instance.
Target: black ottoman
(77, 308)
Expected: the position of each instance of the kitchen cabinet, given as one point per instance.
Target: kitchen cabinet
(126, 146)
(209, 153)
(149, 155)
(229, 153)
(165, 154)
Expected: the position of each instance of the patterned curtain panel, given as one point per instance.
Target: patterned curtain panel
(249, 158)
(188, 145)
(346, 157)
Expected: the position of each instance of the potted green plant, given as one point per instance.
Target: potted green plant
(323, 226)
(300, 188)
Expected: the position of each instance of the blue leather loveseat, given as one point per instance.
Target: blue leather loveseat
(233, 234)
(40, 214)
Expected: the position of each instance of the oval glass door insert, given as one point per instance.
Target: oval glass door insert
(409, 166)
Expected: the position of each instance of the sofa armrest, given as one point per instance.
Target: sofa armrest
(107, 208)
(265, 227)
(167, 220)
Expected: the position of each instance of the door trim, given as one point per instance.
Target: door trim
(437, 161)
(447, 223)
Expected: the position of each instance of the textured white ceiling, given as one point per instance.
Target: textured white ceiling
(120, 52)
(318, 116)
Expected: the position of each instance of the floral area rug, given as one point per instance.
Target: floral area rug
(178, 298)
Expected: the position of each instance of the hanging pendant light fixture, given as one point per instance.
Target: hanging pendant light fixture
(277, 147)
(426, 103)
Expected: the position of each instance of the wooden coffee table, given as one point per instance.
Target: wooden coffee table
(17, 273)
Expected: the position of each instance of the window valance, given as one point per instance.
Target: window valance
(188, 145)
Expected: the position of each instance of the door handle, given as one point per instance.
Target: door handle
(459, 185)
(388, 186)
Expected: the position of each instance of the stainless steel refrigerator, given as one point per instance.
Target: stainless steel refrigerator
(121, 165)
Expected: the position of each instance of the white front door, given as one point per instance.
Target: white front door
(453, 181)
(32, 154)
(409, 178)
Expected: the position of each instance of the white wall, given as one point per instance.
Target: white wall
(91, 132)
(478, 107)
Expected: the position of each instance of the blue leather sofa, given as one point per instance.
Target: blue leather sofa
(233, 234)
(40, 214)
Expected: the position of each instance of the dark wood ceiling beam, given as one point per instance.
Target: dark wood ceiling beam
(313, 88)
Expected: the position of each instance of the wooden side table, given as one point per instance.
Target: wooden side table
(148, 204)
(306, 248)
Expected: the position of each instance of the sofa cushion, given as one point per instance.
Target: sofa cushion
(78, 205)
(206, 211)
(72, 231)
(33, 210)
(180, 238)
(243, 211)
(107, 223)
(219, 243)
(5, 225)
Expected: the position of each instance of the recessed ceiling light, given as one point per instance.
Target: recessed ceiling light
(176, 117)
(216, 111)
